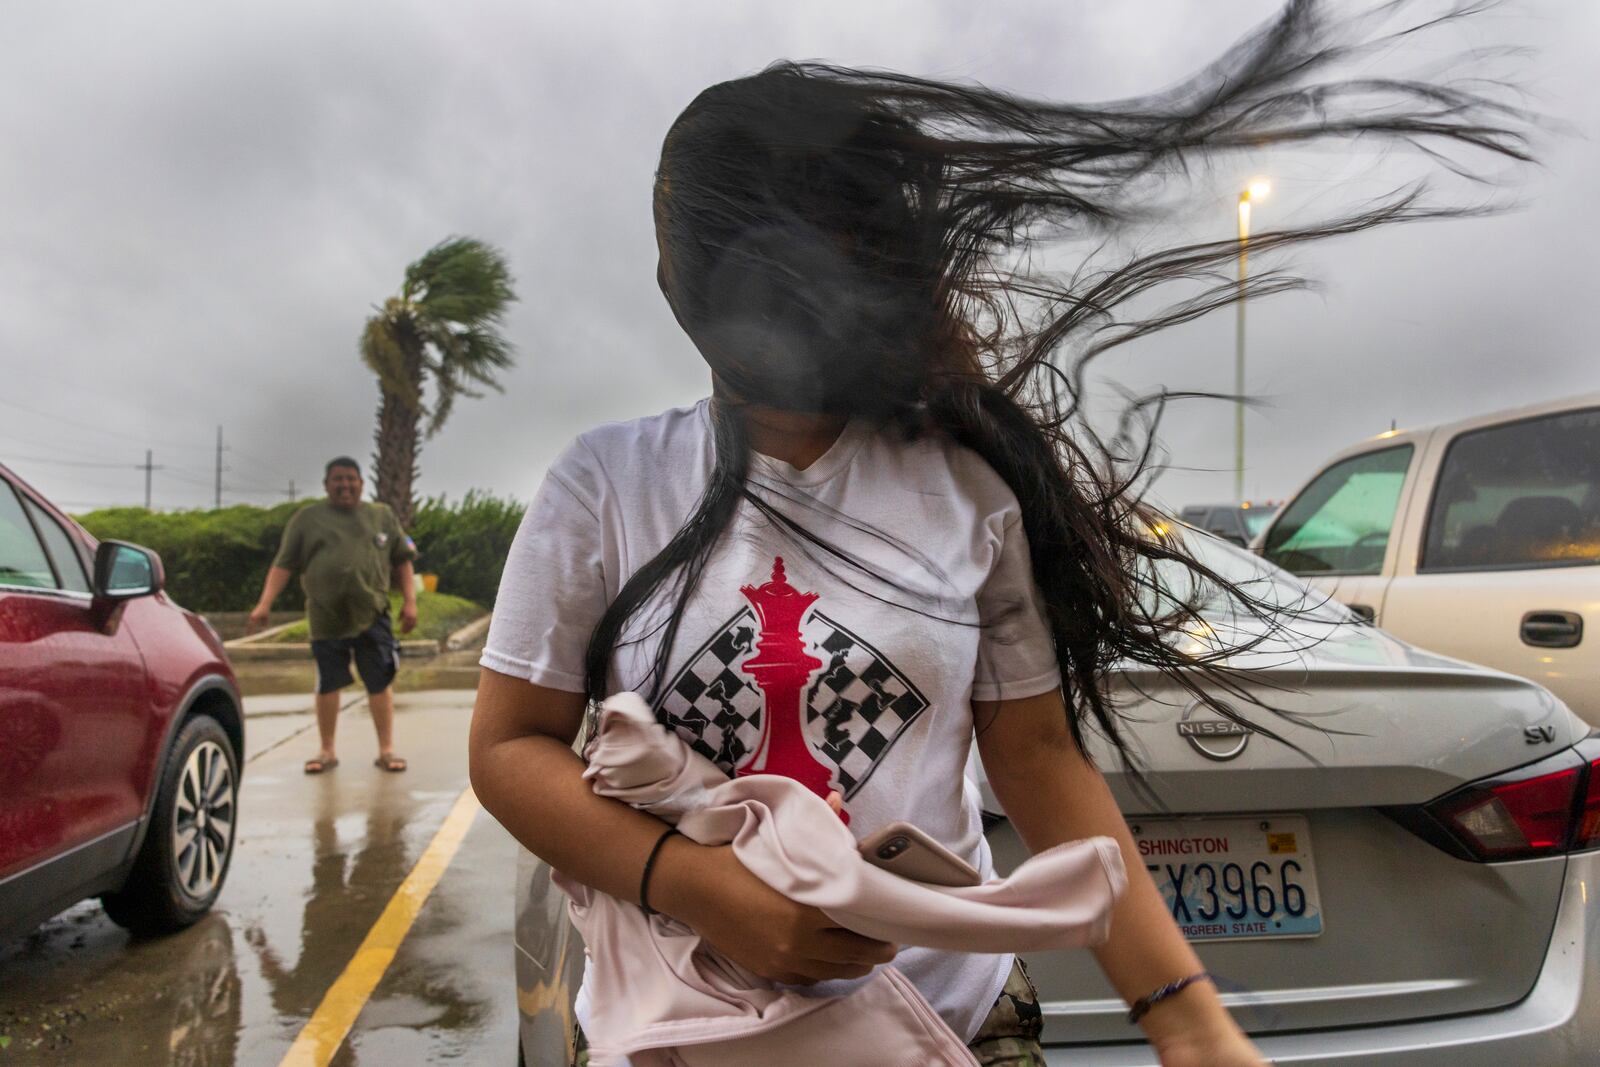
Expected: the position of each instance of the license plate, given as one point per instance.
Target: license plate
(1234, 879)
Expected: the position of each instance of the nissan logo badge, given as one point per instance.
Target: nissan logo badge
(1213, 737)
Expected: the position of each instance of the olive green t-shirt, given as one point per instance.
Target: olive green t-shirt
(344, 558)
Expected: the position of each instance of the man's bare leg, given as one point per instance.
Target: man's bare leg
(382, 707)
(327, 725)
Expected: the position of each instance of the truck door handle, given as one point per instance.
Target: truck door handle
(1364, 612)
(1552, 629)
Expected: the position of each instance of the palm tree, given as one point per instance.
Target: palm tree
(445, 326)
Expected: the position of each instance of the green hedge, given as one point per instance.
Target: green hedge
(216, 560)
(466, 544)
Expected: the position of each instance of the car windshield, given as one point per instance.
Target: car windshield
(1256, 519)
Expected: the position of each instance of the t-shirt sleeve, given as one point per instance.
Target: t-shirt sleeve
(1016, 654)
(553, 589)
(401, 548)
(291, 549)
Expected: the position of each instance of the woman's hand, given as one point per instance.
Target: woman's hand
(1192, 1030)
(1217, 1050)
(753, 924)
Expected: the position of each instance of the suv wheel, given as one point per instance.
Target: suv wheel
(185, 855)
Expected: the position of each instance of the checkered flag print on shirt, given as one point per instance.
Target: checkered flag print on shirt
(857, 705)
(710, 704)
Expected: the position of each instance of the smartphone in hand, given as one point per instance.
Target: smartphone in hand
(902, 849)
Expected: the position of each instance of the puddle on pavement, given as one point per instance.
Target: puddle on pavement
(317, 863)
(79, 990)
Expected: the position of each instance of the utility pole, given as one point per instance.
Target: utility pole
(147, 466)
(219, 467)
(1254, 191)
(291, 490)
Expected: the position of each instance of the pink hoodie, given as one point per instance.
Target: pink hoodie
(661, 998)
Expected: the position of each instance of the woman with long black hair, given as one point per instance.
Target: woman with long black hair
(894, 433)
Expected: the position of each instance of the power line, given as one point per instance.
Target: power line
(204, 483)
(76, 451)
(68, 462)
(93, 428)
(212, 479)
(270, 468)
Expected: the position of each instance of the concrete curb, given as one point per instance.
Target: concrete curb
(468, 634)
(302, 650)
(264, 635)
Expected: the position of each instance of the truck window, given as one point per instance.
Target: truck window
(1339, 524)
(1526, 494)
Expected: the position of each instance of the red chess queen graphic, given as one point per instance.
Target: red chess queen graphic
(781, 668)
(783, 688)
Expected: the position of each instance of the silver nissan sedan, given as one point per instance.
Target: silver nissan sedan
(1413, 887)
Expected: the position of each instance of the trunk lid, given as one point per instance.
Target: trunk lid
(1408, 931)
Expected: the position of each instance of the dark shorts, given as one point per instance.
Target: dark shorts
(375, 651)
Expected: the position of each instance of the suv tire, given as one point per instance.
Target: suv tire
(187, 849)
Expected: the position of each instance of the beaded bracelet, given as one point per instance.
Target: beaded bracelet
(1145, 1003)
(649, 865)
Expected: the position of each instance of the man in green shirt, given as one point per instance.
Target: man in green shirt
(346, 551)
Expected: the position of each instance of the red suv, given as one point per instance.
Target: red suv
(121, 733)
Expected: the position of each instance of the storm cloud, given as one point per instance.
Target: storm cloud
(202, 202)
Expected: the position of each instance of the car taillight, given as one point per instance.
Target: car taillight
(1515, 819)
(1587, 833)
(1545, 808)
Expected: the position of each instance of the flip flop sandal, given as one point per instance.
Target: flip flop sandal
(392, 764)
(317, 765)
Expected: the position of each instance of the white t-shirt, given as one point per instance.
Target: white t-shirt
(881, 674)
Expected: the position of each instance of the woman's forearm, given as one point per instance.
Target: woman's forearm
(1146, 949)
(534, 787)
(526, 774)
(1053, 795)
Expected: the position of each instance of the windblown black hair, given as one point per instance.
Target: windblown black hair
(855, 242)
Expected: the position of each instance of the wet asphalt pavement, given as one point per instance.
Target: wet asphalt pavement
(317, 860)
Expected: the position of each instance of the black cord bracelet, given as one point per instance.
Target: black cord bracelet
(1145, 1003)
(649, 865)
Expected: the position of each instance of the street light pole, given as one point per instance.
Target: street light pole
(1254, 191)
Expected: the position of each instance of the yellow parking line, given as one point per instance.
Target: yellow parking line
(325, 1031)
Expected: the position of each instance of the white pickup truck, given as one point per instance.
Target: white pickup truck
(1479, 539)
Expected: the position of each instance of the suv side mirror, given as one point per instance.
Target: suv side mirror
(123, 571)
(1229, 536)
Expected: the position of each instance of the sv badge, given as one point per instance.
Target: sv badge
(1538, 735)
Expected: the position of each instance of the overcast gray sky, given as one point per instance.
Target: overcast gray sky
(201, 202)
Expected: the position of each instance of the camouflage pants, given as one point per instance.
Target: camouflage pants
(1009, 1036)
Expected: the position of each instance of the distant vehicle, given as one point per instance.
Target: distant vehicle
(1479, 539)
(1235, 523)
(121, 734)
(1398, 898)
